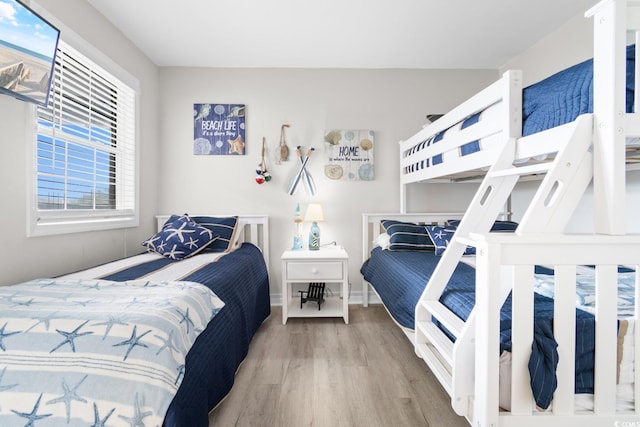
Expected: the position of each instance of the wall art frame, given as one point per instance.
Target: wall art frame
(348, 155)
(219, 129)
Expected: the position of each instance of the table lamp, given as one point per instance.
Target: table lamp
(314, 215)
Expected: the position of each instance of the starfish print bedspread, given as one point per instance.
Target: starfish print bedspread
(96, 352)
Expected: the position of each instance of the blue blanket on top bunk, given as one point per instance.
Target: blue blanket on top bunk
(554, 101)
(562, 97)
(400, 277)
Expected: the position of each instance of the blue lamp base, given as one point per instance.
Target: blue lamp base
(314, 237)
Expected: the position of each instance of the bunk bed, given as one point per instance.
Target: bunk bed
(152, 339)
(489, 138)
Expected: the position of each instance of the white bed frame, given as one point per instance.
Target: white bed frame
(590, 149)
(251, 228)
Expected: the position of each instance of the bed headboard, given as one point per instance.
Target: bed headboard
(371, 229)
(251, 228)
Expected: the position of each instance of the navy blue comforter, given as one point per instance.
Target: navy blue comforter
(562, 97)
(554, 101)
(240, 279)
(400, 277)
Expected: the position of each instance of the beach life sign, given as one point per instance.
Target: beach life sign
(219, 129)
(349, 155)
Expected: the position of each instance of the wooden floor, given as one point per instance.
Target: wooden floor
(321, 372)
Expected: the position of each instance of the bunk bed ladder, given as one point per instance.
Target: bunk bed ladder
(453, 363)
(565, 180)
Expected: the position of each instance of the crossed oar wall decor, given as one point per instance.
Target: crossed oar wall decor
(303, 174)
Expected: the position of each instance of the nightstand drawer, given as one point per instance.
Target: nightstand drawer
(310, 270)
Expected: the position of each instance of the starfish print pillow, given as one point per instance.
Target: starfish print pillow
(180, 238)
(441, 237)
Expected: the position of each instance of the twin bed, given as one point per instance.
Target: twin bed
(540, 328)
(147, 340)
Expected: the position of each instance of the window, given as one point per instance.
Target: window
(84, 153)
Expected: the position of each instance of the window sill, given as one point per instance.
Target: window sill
(55, 226)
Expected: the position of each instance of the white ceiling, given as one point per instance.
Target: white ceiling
(337, 33)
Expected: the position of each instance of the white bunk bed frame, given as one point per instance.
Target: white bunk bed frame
(590, 149)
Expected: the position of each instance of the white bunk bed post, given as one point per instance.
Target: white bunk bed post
(487, 333)
(609, 70)
(403, 189)
(636, 350)
(565, 308)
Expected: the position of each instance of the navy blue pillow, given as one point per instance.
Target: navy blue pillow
(223, 227)
(441, 237)
(406, 236)
(180, 238)
(497, 226)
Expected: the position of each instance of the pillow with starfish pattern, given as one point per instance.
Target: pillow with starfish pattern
(441, 237)
(180, 238)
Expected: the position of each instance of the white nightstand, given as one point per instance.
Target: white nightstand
(327, 265)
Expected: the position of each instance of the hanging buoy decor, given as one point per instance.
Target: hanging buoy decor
(261, 171)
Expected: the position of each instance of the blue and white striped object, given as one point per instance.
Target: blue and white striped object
(96, 352)
(406, 236)
(586, 290)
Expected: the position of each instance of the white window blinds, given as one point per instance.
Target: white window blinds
(85, 153)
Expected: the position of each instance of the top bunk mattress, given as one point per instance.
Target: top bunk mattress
(562, 97)
(555, 101)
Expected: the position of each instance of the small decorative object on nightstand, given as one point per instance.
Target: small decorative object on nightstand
(305, 269)
(314, 214)
(315, 292)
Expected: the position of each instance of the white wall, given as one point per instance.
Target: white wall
(23, 258)
(393, 103)
(568, 45)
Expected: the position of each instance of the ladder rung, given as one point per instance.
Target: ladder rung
(445, 316)
(465, 240)
(441, 372)
(440, 341)
(523, 170)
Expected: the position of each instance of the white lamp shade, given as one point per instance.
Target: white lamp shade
(314, 213)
